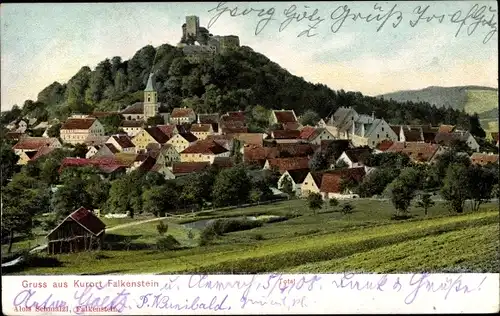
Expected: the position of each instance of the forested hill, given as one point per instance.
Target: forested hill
(236, 80)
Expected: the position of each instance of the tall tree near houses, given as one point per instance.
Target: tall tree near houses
(455, 189)
(480, 185)
(287, 186)
(315, 202)
(425, 202)
(8, 163)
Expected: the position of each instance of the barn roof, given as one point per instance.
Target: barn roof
(86, 219)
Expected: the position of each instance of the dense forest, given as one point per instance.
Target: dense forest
(236, 80)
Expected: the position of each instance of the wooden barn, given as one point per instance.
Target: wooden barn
(80, 231)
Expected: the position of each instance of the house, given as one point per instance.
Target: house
(105, 150)
(27, 147)
(122, 142)
(285, 164)
(79, 127)
(166, 153)
(42, 152)
(226, 141)
(283, 117)
(182, 115)
(353, 157)
(331, 182)
(182, 141)
(343, 116)
(201, 131)
(408, 133)
(15, 136)
(447, 139)
(296, 150)
(296, 177)
(212, 118)
(321, 124)
(79, 231)
(258, 155)
(315, 135)
(311, 183)
(250, 138)
(222, 162)
(105, 165)
(171, 129)
(484, 158)
(147, 136)
(203, 150)
(163, 170)
(233, 127)
(417, 151)
(285, 134)
(233, 116)
(291, 126)
(369, 131)
(95, 140)
(382, 146)
(184, 168)
(102, 114)
(132, 128)
(150, 107)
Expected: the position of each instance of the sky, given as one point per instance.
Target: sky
(371, 47)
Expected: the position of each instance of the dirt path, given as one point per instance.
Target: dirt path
(137, 223)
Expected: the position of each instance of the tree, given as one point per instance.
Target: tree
(315, 201)
(71, 196)
(155, 120)
(309, 118)
(375, 182)
(287, 185)
(333, 202)
(341, 165)
(232, 187)
(162, 228)
(318, 162)
(480, 185)
(111, 123)
(255, 196)
(80, 150)
(54, 130)
(159, 199)
(425, 202)
(8, 163)
(347, 208)
(403, 188)
(456, 186)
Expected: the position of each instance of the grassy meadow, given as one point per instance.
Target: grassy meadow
(326, 242)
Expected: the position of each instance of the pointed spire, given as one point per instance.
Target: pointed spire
(149, 86)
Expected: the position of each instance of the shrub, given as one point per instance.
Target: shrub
(190, 234)
(276, 219)
(333, 202)
(162, 228)
(347, 208)
(167, 243)
(258, 237)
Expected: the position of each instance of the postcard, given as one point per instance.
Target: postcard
(212, 158)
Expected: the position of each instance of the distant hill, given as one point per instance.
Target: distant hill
(472, 99)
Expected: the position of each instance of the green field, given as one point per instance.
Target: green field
(366, 240)
(480, 101)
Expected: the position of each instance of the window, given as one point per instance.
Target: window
(149, 99)
(378, 136)
(387, 135)
(382, 129)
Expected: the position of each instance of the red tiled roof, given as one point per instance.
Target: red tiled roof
(484, 159)
(250, 138)
(208, 118)
(205, 147)
(285, 116)
(412, 135)
(355, 154)
(307, 132)
(88, 220)
(285, 164)
(182, 112)
(42, 152)
(291, 126)
(295, 150)
(234, 130)
(286, 134)
(252, 153)
(123, 140)
(200, 127)
(157, 134)
(417, 151)
(147, 164)
(188, 167)
(384, 145)
(34, 143)
(234, 116)
(446, 128)
(167, 129)
(132, 124)
(104, 164)
(78, 123)
(223, 162)
(331, 180)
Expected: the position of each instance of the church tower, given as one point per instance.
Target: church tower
(150, 99)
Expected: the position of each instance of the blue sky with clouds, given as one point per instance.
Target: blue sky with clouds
(43, 43)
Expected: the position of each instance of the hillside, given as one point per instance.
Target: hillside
(471, 99)
(237, 80)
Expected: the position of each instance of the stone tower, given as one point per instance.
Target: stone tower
(150, 99)
(192, 25)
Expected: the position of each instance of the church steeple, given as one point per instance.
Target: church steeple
(150, 99)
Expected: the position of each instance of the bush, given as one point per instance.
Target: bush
(258, 237)
(190, 234)
(347, 208)
(162, 228)
(333, 202)
(167, 243)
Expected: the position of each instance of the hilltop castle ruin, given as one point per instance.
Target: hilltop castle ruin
(197, 42)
